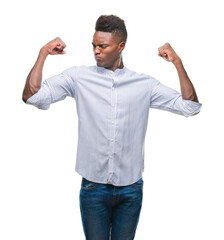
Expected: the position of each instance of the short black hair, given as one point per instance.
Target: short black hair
(112, 24)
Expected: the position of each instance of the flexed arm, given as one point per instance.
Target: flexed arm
(187, 88)
(33, 81)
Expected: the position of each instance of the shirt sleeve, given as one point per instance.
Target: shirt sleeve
(165, 98)
(55, 89)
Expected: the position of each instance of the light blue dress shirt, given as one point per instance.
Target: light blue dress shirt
(112, 109)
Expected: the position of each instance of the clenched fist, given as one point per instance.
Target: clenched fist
(54, 47)
(167, 53)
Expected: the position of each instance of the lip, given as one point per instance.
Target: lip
(97, 58)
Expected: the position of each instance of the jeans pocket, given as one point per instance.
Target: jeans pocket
(139, 183)
(88, 185)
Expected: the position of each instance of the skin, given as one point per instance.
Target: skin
(187, 88)
(107, 49)
(33, 81)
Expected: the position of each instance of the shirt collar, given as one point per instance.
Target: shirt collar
(118, 71)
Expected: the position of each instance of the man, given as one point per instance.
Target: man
(112, 105)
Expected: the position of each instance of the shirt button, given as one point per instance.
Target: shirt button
(112, 89)
(109, 181)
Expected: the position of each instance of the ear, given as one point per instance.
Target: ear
(122, 46)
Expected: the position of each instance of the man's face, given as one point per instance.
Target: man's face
(107, 49)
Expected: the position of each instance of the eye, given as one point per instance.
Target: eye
(103, 46)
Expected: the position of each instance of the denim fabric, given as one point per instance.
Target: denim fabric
(110, 212)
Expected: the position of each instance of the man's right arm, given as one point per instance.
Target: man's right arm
(33, 81)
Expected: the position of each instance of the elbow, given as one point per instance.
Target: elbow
(29, 92)
(25, 96)
(191, 97)
(24, 99)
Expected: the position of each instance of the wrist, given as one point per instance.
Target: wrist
(177, 62)
(44, 51)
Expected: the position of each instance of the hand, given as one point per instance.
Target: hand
(167, 53)
(54, 47)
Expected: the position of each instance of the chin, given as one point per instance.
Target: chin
(100, 64)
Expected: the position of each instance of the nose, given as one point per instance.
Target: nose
(96, 50)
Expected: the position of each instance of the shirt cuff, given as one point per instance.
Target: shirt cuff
(35, 100)
(193, 107)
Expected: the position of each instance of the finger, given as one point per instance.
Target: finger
(163, 54)
(162, 50)
(62, 52)
(54, 51)
(59, 48)
(59, 41)
(62, 44)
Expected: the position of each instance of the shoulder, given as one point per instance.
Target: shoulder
(80, 69)
(77, 71)
(149, 78)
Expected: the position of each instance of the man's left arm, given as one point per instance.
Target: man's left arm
(187, 88)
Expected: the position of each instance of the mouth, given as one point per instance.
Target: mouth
(97, 58)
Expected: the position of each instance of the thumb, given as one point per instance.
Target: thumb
(62, 52)
(49, 51)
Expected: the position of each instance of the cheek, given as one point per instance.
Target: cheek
(112, 54)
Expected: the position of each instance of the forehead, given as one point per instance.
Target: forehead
(104, 37)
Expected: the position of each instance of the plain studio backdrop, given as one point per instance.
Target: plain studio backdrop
(183, 177)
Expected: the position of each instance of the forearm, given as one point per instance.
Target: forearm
(33, 81)
(187, 88)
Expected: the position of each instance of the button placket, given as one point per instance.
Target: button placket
(112, 127)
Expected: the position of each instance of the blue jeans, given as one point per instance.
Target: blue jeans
(110, 212)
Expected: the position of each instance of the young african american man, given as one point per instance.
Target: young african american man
(112, 105)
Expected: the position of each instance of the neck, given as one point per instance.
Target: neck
(119, 65)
